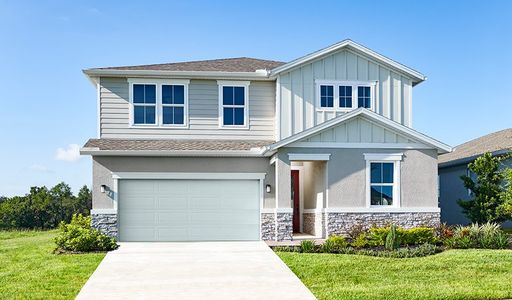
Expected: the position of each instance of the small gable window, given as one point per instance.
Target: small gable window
(345, 95)
(144, 104)
(327, 96)
(364, 97)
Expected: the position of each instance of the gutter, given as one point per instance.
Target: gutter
(257, 75)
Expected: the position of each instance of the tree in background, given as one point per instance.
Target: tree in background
(488, 202)
(42, 208)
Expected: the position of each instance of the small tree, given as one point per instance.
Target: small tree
(488, 203)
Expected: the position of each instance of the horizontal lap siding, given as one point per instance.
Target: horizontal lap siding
(393, 93)
(203, 113)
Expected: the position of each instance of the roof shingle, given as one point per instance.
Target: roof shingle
(239, 64)
(500, 140)
(174, 145)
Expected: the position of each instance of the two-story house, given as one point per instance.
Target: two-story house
(249, 149)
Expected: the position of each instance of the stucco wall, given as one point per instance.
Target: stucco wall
(314, 184)
(347, 176)
(103, 167)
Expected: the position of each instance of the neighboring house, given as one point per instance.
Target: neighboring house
(455, 164)
(249, 149)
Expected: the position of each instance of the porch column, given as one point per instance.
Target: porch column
(284, 211)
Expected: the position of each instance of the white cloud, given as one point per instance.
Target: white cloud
(40, 168)
(70, 153)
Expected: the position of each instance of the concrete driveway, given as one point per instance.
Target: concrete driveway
(200, 270)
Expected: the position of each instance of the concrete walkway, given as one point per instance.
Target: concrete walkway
(200, 270)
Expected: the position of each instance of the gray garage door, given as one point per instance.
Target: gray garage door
(188, 210)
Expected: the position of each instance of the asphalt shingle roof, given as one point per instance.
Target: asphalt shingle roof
(239, 64)
(500, 140)
(175, 145)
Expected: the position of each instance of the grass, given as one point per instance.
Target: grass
(29, 269)
(453, 274)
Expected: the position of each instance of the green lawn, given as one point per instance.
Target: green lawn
(29, 270)
(453, 274)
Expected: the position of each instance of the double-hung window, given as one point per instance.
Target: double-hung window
(159, 102)
(173, 104)
(383, 179)
(326, 96)
(144, 104)
(345, 95)
(233, 104)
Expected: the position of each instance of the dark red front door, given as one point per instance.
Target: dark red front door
(295, 200)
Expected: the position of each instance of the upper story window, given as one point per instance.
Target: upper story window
(159, 102)
(326, 96)
(173, 104)
(233, 104)
(383, 179)
(364, 98)
(345, 95)
(144, 104)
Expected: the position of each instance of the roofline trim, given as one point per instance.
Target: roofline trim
(255, 152)
(442, 147)
(468, 159)
(258, 75)
(349, 43)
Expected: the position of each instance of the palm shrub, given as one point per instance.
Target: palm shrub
(333, 244)
(486, 236)
(79, 236)
(392, 241)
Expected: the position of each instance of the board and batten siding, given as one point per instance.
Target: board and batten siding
(297, 90)
(203, 113)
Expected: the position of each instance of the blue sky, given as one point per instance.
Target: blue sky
(47, 105)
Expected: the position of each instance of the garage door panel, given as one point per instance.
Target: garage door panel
(140, 218)
(166, 202)
(188, 210)
(175, 218)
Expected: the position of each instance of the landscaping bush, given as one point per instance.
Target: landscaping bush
(414, 236)
(392, 240)
(333, 244)
(307, 246)
(361, 241)
(486, 236)
(78, 236)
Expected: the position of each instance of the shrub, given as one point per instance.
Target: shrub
(377, 236)
(307, 246)
(418, 236)
(361, 241)
(392, 241)
(355, 230)
(486, 236)
(78, 236)
(333, 244)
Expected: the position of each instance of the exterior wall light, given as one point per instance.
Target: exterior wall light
(103, 188)
(268, 188)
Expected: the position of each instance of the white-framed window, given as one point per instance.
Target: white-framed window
(233, 104)
(144, 104)
(383, 179)
(345, 95)
(158, 102)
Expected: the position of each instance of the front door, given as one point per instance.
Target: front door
(295, 200)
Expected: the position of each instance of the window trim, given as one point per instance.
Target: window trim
(158, 105)
(394, 158)
(245, 84)
(336, 84)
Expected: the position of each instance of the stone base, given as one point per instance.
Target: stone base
(284, 225)
(106, 223)
(313, 223)
(342, 223)
(268, 226)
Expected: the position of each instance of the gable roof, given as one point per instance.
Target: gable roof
(363, 112)
(349, 44)
(238, 64)
(497, 143)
